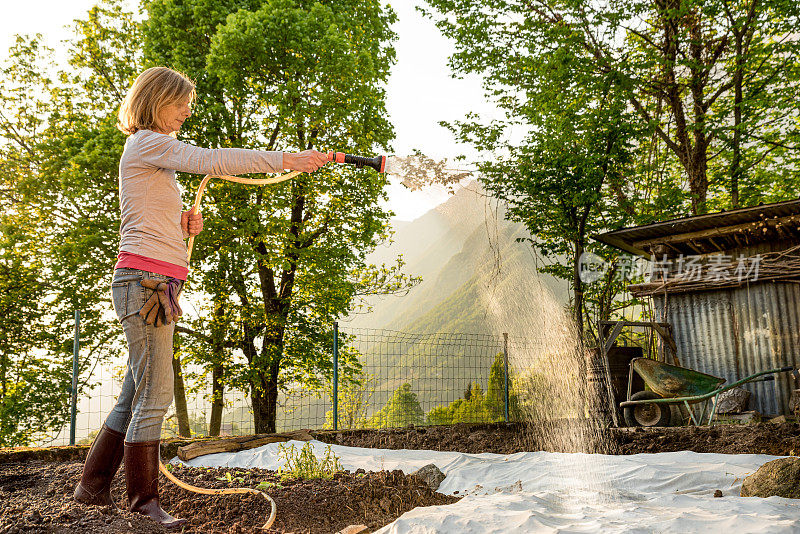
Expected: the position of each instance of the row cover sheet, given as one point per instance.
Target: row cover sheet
(545, 492)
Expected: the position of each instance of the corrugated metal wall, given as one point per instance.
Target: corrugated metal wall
(733, 333)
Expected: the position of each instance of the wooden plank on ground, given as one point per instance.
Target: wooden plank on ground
(201, 448)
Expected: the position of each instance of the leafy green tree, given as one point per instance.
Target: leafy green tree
(580, 141)
(477, 407)
(619, 113)
(284, 262)
(59, 152)
(473, 408)
(712, 80)
(34, 389)
(403, 409)
(495, 392)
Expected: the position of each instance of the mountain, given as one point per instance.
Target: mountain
(461, 249)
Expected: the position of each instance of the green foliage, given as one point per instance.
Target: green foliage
(231, 479)
(279, 265)
(495, 392)
(304, 465)
(476, 407)
(266, 485)
(283, 263)
(620, 113)
(471, 409)
(403, 409)
(59, 153)
(32, 390)
(355, 396)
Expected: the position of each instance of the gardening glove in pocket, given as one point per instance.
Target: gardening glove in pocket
(162, 307)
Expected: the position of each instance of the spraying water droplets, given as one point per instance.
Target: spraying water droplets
(418, 170)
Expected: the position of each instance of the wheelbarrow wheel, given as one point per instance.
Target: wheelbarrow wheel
(647, 414)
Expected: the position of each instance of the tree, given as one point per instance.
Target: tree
(355, 397)
(58, 182)
(473, 408)
(495, 392)
(618, 113)
(403, 409)
(692, 68)
(285, 262)
(579, 143)
(477, 407)
(34, 390)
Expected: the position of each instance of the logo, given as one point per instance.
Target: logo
(591, 267)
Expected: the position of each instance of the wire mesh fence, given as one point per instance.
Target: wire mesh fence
(384, 379)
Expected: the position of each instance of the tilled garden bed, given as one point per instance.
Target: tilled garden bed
(37, 497)
(780, 439)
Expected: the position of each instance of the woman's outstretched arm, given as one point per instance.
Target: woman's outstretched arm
(166, 152)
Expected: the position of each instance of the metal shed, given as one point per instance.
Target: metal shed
(727, 326)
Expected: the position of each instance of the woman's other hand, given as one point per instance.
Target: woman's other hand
(191, 224)
(305, 161)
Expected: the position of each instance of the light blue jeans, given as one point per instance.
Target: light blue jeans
(147, 388)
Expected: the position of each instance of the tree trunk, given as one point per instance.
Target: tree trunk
(218, 333)
(736, 160)
(577, 287)
(265, 403)
(217, 402)
(181, 411)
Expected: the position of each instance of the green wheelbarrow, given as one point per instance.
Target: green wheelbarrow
(670, 384)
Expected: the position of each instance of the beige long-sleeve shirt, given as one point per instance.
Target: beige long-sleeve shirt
(149, 195)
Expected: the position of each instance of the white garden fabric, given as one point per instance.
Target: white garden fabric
(542, 492)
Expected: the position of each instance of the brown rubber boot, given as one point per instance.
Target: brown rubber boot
(102, 463)
(141, 475)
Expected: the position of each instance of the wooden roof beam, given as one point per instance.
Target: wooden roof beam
(711, 239)
(715, 232)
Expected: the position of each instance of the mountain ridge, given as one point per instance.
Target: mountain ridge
(454, 247)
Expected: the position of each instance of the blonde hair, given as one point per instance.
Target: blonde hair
(153, 90)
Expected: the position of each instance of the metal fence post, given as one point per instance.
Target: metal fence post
(336, 375)
(505, 370)
(74, 400)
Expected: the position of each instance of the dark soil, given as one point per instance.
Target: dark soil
(780, 439)
(36, 485)
(37, 497)
(500, 438)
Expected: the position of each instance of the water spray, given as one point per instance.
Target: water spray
(409, 169)
(414, 170)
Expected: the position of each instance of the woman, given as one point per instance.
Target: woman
(152, 247)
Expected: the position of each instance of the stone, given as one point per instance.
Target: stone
(734, 400)
(718, 493)
(779, 477)
(431, 475)
(778, 420)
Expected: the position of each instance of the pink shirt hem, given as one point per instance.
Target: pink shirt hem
(135, 261)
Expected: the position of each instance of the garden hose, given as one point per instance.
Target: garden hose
(227, 491)
(378, 163)
(238, 179)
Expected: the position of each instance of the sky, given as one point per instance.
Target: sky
(420, 92)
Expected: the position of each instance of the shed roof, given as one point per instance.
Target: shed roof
(712, 232)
